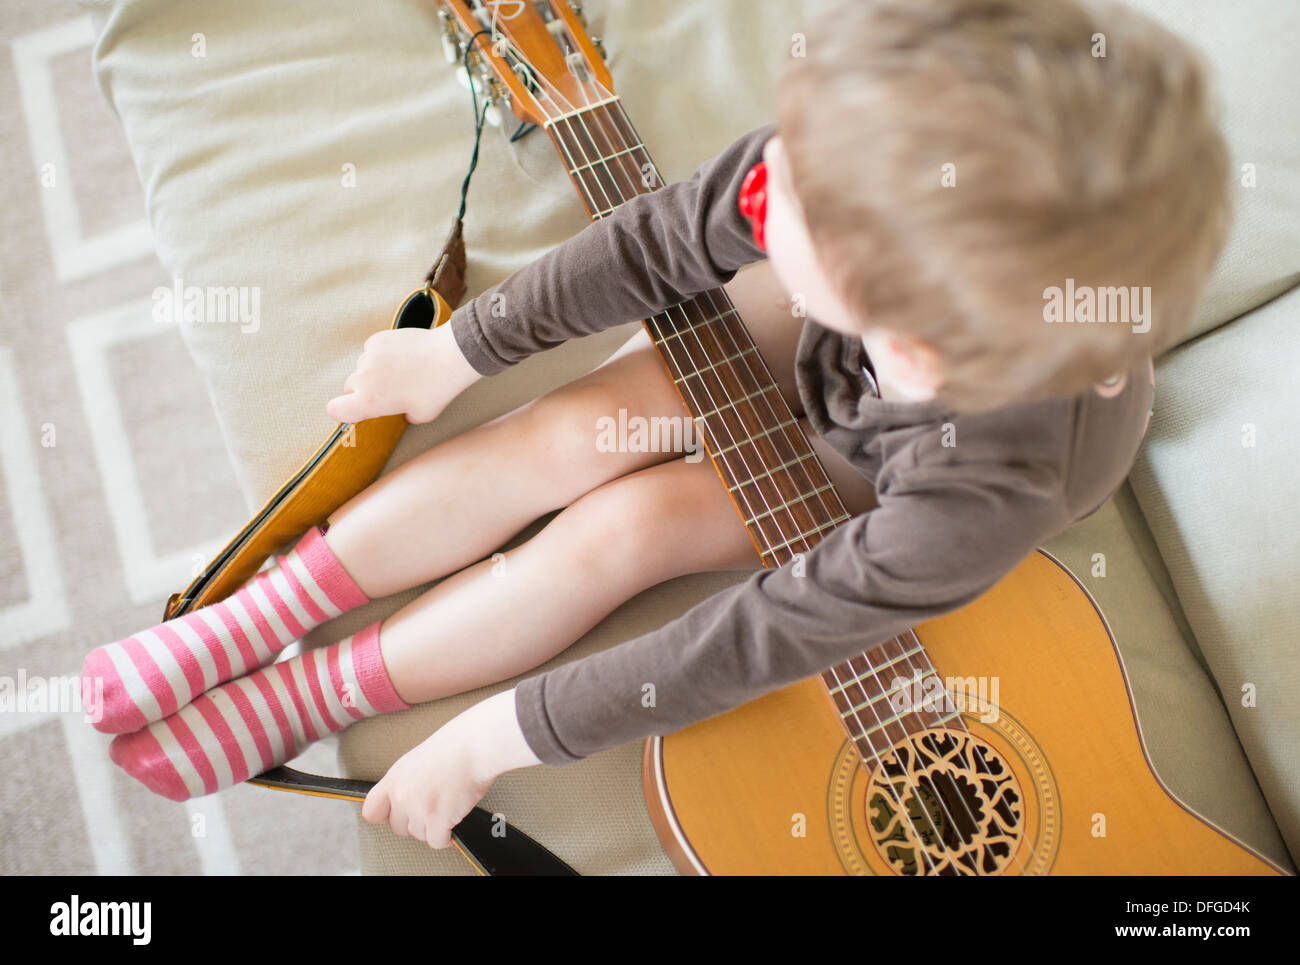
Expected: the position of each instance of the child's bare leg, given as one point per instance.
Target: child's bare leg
(492, 621)
(467, 496)
(440, 511)
(472, 629)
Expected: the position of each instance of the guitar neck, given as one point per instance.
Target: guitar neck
(774, 479)
(772, 475)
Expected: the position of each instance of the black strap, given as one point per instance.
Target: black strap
(492, 845)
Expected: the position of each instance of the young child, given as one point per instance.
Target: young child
(955, 191)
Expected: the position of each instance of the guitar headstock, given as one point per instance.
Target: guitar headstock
(538, 59)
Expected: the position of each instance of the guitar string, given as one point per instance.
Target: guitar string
(628, 132)
(624, 128)
(733, 445)
(905, 816)
(695, 329)
(623, 159)
(547, 89)
(924, 656)
(567, 108)
(902, 810)
(840, 686)
(764, 375)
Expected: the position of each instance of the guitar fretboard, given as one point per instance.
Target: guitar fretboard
(774, 478)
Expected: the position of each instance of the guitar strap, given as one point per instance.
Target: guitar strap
(349, 460)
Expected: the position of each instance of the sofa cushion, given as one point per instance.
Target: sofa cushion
(1219, 482)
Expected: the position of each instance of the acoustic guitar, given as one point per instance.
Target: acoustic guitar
(1027, 758)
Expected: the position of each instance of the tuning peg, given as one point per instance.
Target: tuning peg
(452, 48)
(465, 80)
(498, 102)
(600, 47)
(577, 12)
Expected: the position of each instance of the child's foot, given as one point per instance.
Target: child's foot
(251, 724)
(157, 671)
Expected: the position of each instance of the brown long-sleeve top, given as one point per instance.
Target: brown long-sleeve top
(950, 522)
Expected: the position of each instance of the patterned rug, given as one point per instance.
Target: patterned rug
(115, 485)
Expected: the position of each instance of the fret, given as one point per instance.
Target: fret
(875, 668)
(773, 471)
(897, 719)
(735, 402)
(802, 497)
(883, 696)
(581, 110)
(804, 536)
(714, 365)
(607, 158)
(758, 435)
(881, 725)
(690, 328)
(598, 159)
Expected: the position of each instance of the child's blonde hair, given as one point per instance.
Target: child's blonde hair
(956, 160)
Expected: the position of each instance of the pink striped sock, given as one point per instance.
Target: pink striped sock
(251, 724)
(155, 672)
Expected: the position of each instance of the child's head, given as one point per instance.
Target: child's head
(949, 172)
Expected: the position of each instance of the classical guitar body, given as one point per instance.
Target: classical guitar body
(1053, 780)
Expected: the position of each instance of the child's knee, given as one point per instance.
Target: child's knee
(669, 521)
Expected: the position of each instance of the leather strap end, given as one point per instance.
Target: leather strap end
(447, 276)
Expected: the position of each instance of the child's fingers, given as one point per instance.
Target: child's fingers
(350, 407)
(376, 806)
(438, 831)
(398, 820)
(415, 826)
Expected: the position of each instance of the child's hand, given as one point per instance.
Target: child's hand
(412, 370)
(430, 788)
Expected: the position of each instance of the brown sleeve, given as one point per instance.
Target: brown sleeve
(654, 251)
(940, 537)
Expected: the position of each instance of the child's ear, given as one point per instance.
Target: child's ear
(920, 358)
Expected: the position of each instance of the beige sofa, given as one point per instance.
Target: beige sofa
(245, 154)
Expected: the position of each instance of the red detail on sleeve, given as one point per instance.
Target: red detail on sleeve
(753, 200)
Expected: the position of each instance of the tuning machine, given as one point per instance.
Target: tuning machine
(453, 42)
(498, 102)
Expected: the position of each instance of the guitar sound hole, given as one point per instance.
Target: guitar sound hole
(417, 311)
(944, 803)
